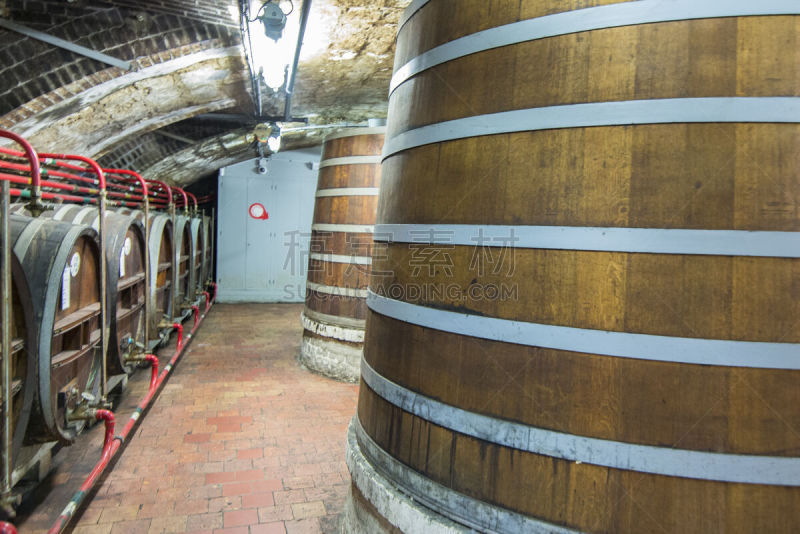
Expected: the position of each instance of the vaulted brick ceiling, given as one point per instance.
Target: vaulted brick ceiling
(163, 117)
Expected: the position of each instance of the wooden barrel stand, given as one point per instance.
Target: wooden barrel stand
(589, 217)
(341, 252)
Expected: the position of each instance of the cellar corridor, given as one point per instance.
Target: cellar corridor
(241, 438)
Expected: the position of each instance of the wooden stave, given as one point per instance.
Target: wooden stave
(198, 257)
(407, 169)
(39, 266)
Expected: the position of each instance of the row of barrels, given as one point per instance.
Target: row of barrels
(56, 293)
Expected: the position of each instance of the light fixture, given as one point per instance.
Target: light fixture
(274, 141)
(273, 40)
(268, 134)
(274, 20)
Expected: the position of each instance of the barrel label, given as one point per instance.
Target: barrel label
(75, 264)
(122, 262)
(66, 281)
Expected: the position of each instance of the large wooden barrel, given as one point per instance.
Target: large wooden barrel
(23, 356)
(183, 260)
(161, 268)
(125, 258)
(198, 257)
(589, 317)
(341, 250)
(61, 262)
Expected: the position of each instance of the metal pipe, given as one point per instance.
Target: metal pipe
(194, 199)
(164, 187)
(7, 378)
(185, 198)
(101, 224)
(66, 45)
(35, 204)
(306, 9)
(147, 303)
(118, 441)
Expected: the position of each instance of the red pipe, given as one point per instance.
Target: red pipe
(24, 193)
(164, 187)
(16, 179)
(58, 174)
(117, 441)
(208, 300)
(136, 176)
(30, 153)
(196, 310)
(183, 193)
(194, 199)
(88, 161)
(7, 528)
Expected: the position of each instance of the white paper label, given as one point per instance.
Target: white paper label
(66, 281)
(126, 248)
(122, 263)
(75, 264)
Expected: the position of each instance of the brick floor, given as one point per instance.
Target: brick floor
(241, 440)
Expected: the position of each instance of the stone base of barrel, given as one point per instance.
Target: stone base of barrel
(376, 505)
(333, 351)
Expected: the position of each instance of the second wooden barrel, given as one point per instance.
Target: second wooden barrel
(161, 268)
(589, 321)
(124, 237)
(61, 262)
(184, 258)
(341, 252)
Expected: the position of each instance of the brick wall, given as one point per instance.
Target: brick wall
(30, 69)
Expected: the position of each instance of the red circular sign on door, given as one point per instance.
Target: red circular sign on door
(258, 211)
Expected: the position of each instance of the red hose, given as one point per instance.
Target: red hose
(179, 328)
(108, 417)
(109, 451)
(196, 312)
(153, 359)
